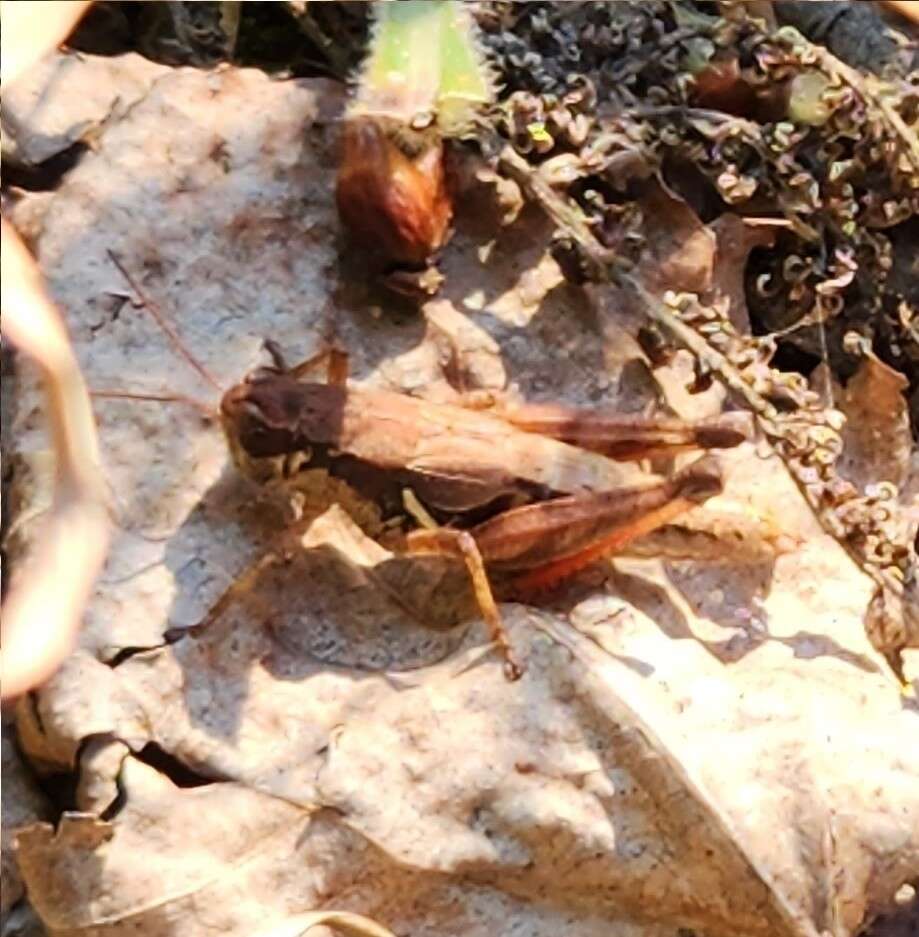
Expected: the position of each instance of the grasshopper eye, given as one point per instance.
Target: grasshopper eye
(254, 419)
(262, 374)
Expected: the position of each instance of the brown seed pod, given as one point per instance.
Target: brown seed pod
(390, 202)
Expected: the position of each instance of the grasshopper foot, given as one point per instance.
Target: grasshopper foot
(512, 669)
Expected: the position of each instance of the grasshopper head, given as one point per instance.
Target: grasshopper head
(272, 415)
(254, 432)
(259, 415)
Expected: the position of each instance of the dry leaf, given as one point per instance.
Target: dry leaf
(190, 857)
(65, 99)
(22, 804)
(877, 441)
(734, 238)
(679, 251)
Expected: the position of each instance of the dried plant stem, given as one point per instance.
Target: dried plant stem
(607, 265)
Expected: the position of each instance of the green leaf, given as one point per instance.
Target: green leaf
(424, 66)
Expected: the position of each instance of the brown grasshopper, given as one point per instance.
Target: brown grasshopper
(535, 491)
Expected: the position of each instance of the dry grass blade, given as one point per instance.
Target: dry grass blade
(44, 608)
(345, 922)
(27, 37)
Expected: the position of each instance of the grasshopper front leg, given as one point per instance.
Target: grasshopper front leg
(551, 540)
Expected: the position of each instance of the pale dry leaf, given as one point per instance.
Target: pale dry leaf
(66, 98)
(84, 697)
(101, 761)
(22, 803)
(455, 356)
(525, 297)
(473, 357)
(171, 852)
(676, 380)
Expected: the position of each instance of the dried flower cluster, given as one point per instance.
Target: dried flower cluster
(845, 183)
(767, 124)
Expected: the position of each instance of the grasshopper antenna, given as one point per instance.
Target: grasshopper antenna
(205, 409)
(164, 324)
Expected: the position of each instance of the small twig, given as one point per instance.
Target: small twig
(567, 216)
(164, 323)
(336, 62)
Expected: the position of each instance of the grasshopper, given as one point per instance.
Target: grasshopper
(536, 492)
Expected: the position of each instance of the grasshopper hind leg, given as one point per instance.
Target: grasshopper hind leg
(653, 509)
(460, 544)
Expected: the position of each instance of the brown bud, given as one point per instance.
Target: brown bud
(388, 201)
